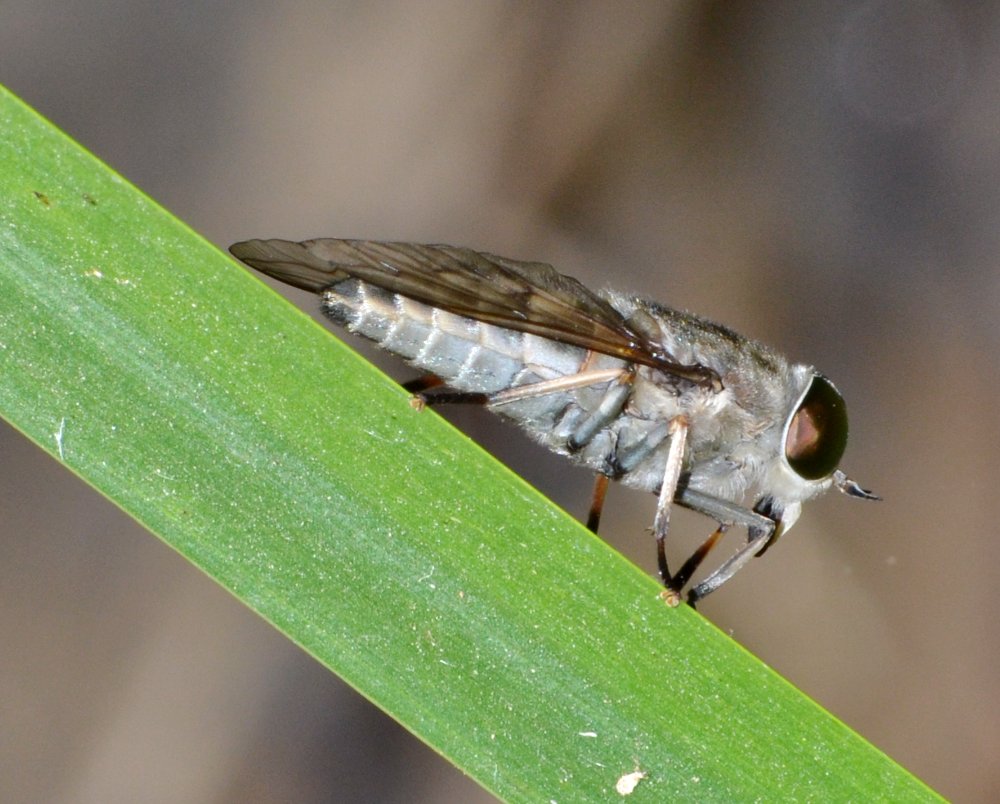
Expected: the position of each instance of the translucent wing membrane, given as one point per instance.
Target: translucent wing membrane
(527, 297)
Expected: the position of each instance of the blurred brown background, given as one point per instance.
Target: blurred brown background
(825, 177)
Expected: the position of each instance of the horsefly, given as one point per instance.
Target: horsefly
(662, 400)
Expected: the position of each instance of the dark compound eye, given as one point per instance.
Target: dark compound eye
(817, 432)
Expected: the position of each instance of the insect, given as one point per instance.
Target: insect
(661, 400)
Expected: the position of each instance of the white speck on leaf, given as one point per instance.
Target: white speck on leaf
(627, 783)
(59, 437)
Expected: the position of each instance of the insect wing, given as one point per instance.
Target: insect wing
(527, 297)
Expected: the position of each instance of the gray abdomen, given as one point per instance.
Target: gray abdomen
(588, 424)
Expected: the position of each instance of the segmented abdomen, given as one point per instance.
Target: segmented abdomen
(469, 355)
(586, 423)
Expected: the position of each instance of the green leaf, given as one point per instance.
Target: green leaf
(387, 545)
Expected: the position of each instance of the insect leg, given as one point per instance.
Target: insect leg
(724, 512)
(518, 393)
(597, 502)
(760, 530)
(429, 390)
(671, 474)
(420, 401)
(758, 539)
(683, 575)
(567, 383)
(424, 383)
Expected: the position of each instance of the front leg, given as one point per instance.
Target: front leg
(761, 529)
(758, 540)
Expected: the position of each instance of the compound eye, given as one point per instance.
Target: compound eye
(817, 432)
